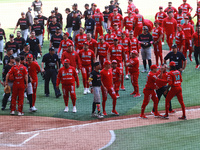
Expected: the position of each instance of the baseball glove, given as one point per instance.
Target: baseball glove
(7, 89)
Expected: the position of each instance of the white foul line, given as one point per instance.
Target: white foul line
(113, 137)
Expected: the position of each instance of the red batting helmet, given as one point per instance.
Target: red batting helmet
(136, 10)
(153, 67)
(172, 63)
(106, 63)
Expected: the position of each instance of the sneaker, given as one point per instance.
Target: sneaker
(34, 109)
(66, 109)
(74, 109)
(47, 95)
(58, 95)
(94, 114)
(88, 91)
(25, 95)
(2, 108)
(156, 115)
(85, 91)
(182, 118)
(20, 113)
(114, 112)
(104, 113)
(127, 77)
(39, 55)
(143, 71)
(133, 93)
(99, 116)
(137, 95)
(143, 117)
(172, 111)
(30, 110)
(190, 57)
(152, 112)
(165, 116)
(163, 43)
(12, 112)
(117, 95)
(9, 99)
(1, 62)
(197, 66)
(123, 88)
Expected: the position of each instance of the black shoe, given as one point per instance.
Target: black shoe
(3, 108)
(47, 95)
(58, 95)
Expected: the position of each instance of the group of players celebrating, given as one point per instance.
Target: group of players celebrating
(117, 50)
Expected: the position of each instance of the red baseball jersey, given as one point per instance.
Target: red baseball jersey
(109, 38)
(191, 22)
(116, 52)
(18, 73)
(117, 32)
(169, 25)
(33, 70)
(149, 24)
(102, 49)
(64, 44)
(164, 77)
(134, 68)
(188, 29)
(125, 43)
(67, 76)
(198, 13)
(86, 57)
(160, 16)
(134, 44)
(128, 22)
(174, 78)
(185, 7)
(196, 39)
(106, 78)
(93, 44)
(151, 81)
(156, 33)
(139, 20)
(116, 19)
(98, 19)
(79, 40)
(178, 17)
(117, 72)
(131, 7)
(180, 38)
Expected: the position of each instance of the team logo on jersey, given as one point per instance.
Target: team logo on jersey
(70, 70)
(89, 53)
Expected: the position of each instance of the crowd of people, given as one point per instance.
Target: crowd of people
(101, 58)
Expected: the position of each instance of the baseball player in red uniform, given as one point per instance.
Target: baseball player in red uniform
(117, 77)
(117, 52)
(98, 17)
(170, 8)
(198, 13)
(107, 87)
(19, 84)
(67, 76)
(33, 70)
(174, 79)
(109, 37)
(186, 7)
(157, 37)
(138, 24)
(125, 42)
(131, 6)
(86, 55)
(179, 16)
(102, 50)
(92, 43)
(128, 21)
(134, 44)
(117, 31)
(196, 45)
(188, 29)
(115, 17)
(133, 67)
(149, 92)
(169, 27)
(80, 39)
(72, 56)
(180, 40)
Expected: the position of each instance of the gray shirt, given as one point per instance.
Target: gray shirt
(29, 17)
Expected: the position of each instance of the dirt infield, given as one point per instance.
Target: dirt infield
(22, 132)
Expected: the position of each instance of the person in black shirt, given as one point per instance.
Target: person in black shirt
(68, 21)
(24, 25)
(13, 45)
(86, 11)
(41, 18)
(56, 39)
(177, 57)
(37, 6)
(119, 9)
(34, 45)
(2, 35)
(50, 19)
(93, 8)
(95, 84)
(19, 40)
(7, 56)
(50, 60)
(76, 24)
(58, 16)
(90, 25)
(39, 30)
(25, 51)
(145, 40)
(52, 27)
(111, 6)
(106, 14)
(75, 8)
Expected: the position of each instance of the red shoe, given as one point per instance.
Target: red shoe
(182, 118)
(117, 95)
(114, 112)
(104, 113)
(172, 112)
(197, 66)
(165, 116)
(137, 95)
(143, 117)
(190, 57)
(123, 88)
(156, 115)
(133, 93)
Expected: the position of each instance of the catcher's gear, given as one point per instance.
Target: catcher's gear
(7, 89)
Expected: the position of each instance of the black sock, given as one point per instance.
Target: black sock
(149, 62)
(30, 99)
(145, 64)
(1, 54)
(93, 107)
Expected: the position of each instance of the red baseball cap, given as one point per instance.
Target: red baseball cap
(153, 67)
(116, 38)
(115, 9)
(188, 14)
(156, 21)
(184, 0)
(136, 10)
(106, 63)
(115, 24)
(172, 63)
(86, 42)
(130, 12)
(179, 25)
(134, 52)
(66, 33)
(179, 8)
(70, 44)
(160, 7)
(110, 28)
(114, 61)
(101, 37)
(66, 61)
(124, 32)
(186, 17)
(29, 56)
(97, 10)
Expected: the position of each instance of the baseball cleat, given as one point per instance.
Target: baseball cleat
(157, 115)
(20, 114)
(197, 66)
(182, 118)
(88, 91)
(165, 116)
(133, 93)
(74, 109)
(117, 95)
(99, 116)
(143, 71)
(104, 113)
(34, 109)
(85, 91)
(123, 88)
(143, 117)
(12, 112)
(172, 112)
(94, 114)
(127, 77)
(152, 112)
(163, 43)
(137, 95)
(114, 112)
(66, 109)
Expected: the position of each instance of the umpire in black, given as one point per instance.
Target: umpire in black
(50, 72)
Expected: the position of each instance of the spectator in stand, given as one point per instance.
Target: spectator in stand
(29, 16)
(68, 21)
(19, 40)
(37, 6)
(2, 35)
(24, 26)
(186, 7)
(76, 24)
(87, 9)
(170, 8)
(105, 16)
(196, 45)
(12, 45)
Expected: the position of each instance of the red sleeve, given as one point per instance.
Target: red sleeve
(175, 25)
(156, 16)
(11, 70)
(183, 39)
(165, 10)
(192, 30)
(37, 68)
(59, 49)
(170, 79)
(62, 57)
(93, 56)
(78, 61)
(58, 77)
(109, 49)
(175, 16)
(165, 15)
(76, 77)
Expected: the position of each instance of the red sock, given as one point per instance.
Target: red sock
(104, 105)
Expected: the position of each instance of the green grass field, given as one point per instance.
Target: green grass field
(169, 136)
